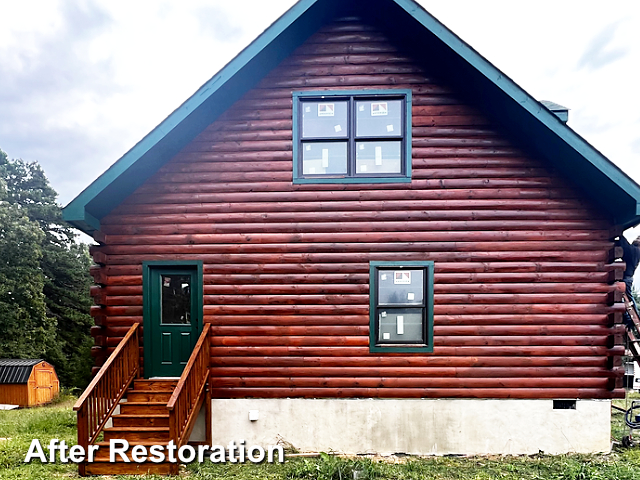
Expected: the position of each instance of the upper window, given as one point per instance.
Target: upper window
(352, 136)
(401, 307)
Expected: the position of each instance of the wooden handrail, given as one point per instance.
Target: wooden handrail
(187, 398)
(107, 388)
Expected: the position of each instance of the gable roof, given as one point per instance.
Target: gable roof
(501, 98)
(16, 370)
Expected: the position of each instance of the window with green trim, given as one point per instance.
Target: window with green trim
(401, 306)
(352, 136)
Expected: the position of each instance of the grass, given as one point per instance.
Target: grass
(19, 427)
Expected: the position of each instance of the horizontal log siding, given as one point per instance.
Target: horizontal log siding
(523, 267)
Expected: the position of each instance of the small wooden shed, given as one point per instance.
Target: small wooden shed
(27, 383)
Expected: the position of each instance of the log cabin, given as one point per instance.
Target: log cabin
(359, 236)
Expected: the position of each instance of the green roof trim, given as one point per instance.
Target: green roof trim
(497, 94)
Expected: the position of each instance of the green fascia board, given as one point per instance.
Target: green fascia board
(621, 195)
(80, 218)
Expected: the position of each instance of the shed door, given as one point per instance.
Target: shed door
(173, 320)
(44, 386)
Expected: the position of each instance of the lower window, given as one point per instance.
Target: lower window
(401, 306)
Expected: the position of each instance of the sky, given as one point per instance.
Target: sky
(81, 81)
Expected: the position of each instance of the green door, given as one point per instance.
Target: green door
(173, 318)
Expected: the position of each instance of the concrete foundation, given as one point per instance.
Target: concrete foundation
(420, 427)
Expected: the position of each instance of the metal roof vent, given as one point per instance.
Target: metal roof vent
(558, 110)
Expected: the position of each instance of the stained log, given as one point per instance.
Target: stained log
(455, 238)
(523, 393)
(227, 360)
(455, 310)
(443, 299)
(371, 54)
(347, 206)
(338, 81)
(348, 38)
(370, 69)
(344, 330)
(421, 382)
(413, 217)
(361, 227)
(265, 319)
(278, 186)
(237, 288)
(239, 146)
(523, 258)
(231, 136)
(123, 321)
(443, 280)
(426, 372)
(579, 251)
(421, 162)
(330, 268)
(439, 351)
(324, 199)
(450, 341)
(439, 330)
(317, 49)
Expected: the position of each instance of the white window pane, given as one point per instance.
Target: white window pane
(378, 157)
(379, 118)
(324, 119)
(400, 287)
(400, 325)
(324, 158)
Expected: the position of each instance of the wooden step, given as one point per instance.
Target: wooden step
(155, 434)
(102, 465)
(102, 455)
(148, 396)
(121, 468)
(141, 420)
(159, 385)
(151, 408)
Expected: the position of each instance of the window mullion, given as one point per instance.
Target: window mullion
(352, 136)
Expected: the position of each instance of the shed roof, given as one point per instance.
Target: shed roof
(16, 370)
(499, 97)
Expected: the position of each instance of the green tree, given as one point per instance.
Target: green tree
(23, 321)
(47, 276)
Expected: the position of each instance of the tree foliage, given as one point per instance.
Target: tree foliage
(44, 276)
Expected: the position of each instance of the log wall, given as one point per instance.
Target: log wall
(525, 305)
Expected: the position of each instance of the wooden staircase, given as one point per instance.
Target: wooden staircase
(119, 405)
(633, 337)
(143, 420)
